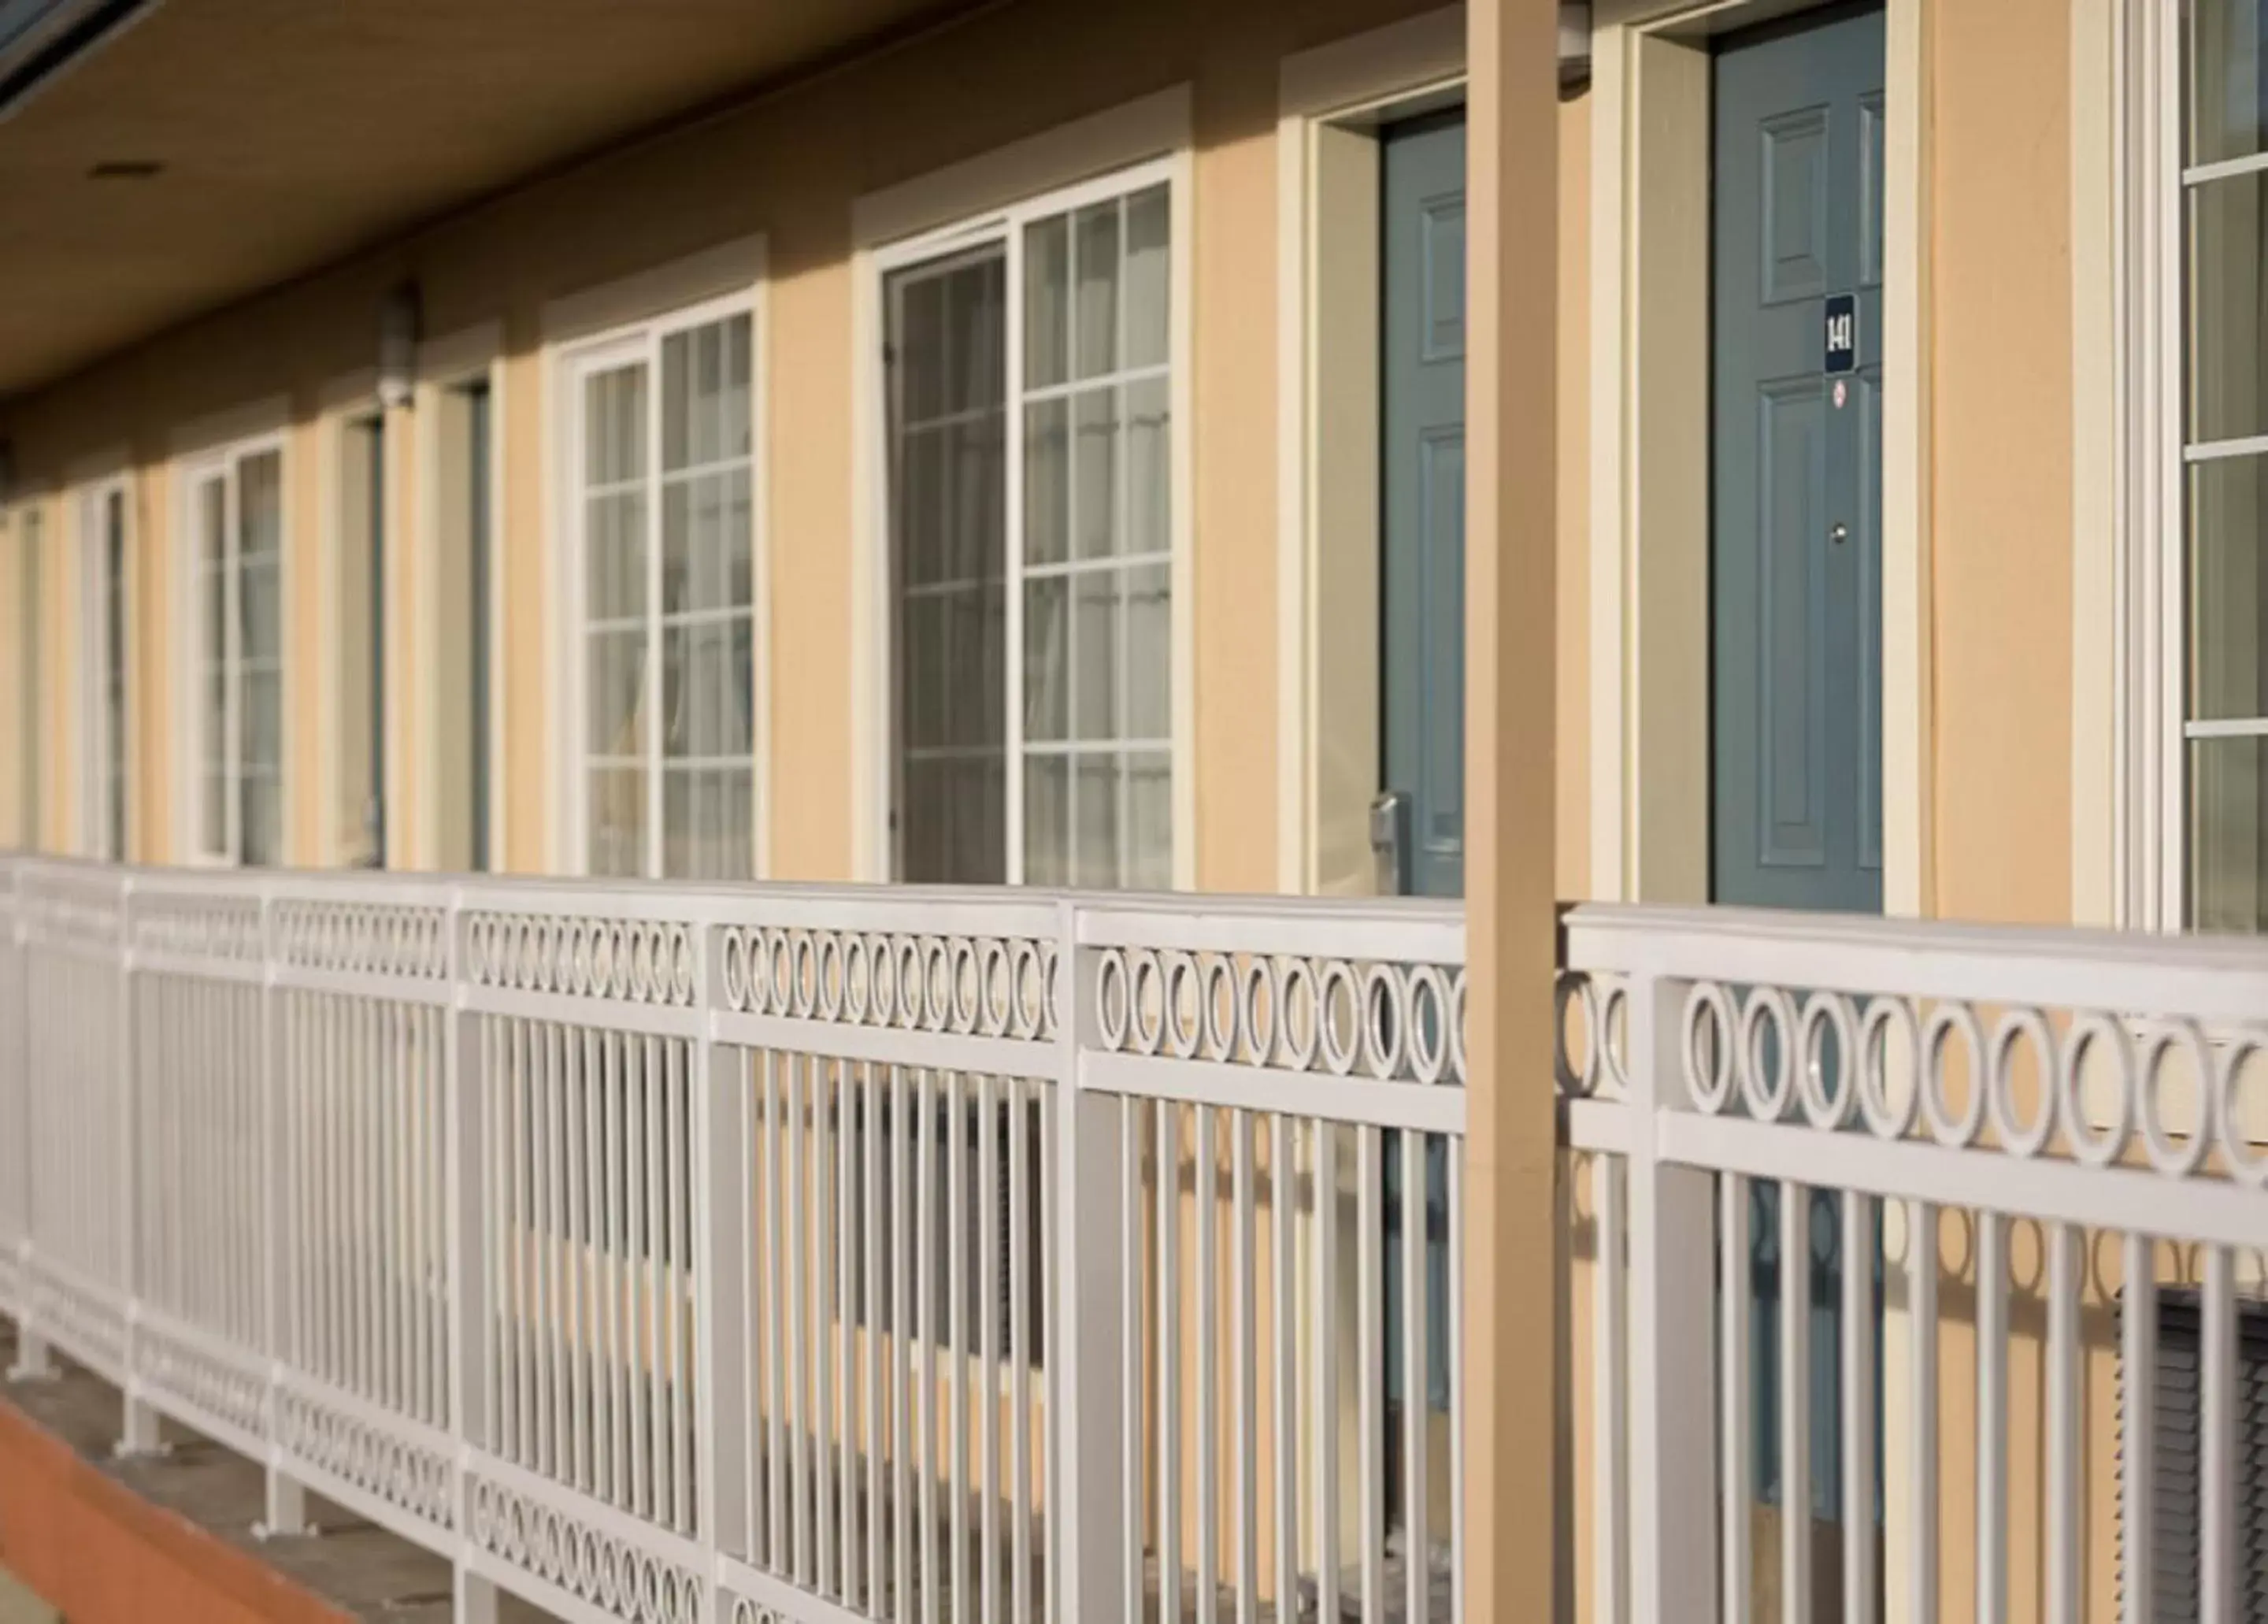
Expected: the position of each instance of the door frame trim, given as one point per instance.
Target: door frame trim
(1328, 99)
(1649, 361)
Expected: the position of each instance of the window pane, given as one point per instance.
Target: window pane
(1150, 821)
(1149, 653)
(1149, 467)
(1047, 481)
(709, 821)
(261, 794)
(2227, 357)
(1046, 820)
(2226, 76)
(1046, 302)
(1094, 816)
(617, 820)
(1094, 475)
(704, 543)
(616, 675)
(613, 426)
(1047, 659)
(976, 520)
(1094, 263)
(260, 504)
(2228, 588)
(1148, 277)
(615, 549)
(704, 395)
(2228, 834)
(707, 689)
(948, 464)
(1094, 654)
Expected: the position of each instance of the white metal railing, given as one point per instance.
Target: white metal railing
(2003, 1152)
(672, 1254)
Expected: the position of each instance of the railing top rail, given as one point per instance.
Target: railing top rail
(2200, 978)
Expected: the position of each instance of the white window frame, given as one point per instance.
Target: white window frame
(600, 340)
(92, 723)
(1003, 225)
(2133, 534)
(226, 459)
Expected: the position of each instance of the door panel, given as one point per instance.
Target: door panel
(1795, 576)
(1422, 476)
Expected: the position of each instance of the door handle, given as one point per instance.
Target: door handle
(1838, 533)
(1390, 841)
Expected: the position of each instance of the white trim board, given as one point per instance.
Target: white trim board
(1326, 460)
(474, 354)
(1649, 529)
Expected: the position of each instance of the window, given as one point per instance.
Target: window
(466, 679)
(2222, 640)
(359, 830)
(1030, 468)
(31, 734)
(663, 467)
(102, 669)
(234, 524)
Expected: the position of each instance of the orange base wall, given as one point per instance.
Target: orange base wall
(104, 1555)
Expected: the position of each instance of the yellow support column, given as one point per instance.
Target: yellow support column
(1512, 269)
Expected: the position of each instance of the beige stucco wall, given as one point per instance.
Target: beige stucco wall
(789, 167)
(2001, 606)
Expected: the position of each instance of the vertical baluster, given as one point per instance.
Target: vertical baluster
(637, 1086)
(1169, 1364)
(1370, 1237)
(1921, 1297)
(987, 1384)
(904, 1201)
(823, 1322)
(681, 1288)
(1795, 1401)
(1610, 1467)
(957, 1285)
(1133, 1344)
(1992, 1418)
(846, 1380)
(617, 1275)
(927, 1409)
(575, 1176)
(1204, 1200)
(1457, 1547)
(1284, 1328)
(2063, 1424)
(1327, 1322)
(870, 1231)
(1020, 1344)
(1247, 1364)
(2138, 1433)
(775, 1309)
(2220, 1542)
(1858, 1409)
(797, 1328)
(660, 1306)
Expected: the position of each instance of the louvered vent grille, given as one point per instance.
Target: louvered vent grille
(2177, 1518)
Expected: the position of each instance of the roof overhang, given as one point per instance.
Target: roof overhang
(216, 147)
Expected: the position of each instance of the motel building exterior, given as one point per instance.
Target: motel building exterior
(1060, 810)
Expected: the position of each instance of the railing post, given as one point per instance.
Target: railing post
(720, 1211)
(34, 1360)
(1086, 1369)
(465, 1157)
(137, 1431)
(286, 1510)
(1673, 1366)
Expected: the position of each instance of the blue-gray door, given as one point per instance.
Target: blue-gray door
(1796, 567)
(1796, 573)
(1422, 478)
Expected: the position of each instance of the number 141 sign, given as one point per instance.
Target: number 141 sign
(1841, 333)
